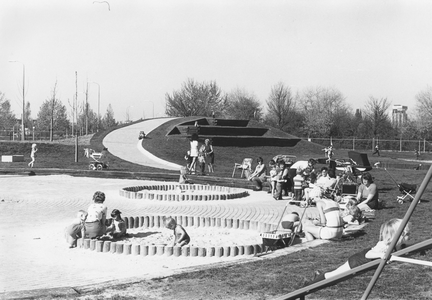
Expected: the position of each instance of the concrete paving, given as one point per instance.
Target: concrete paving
(124, 143)
(35, 209)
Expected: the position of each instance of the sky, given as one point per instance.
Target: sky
(137, 51)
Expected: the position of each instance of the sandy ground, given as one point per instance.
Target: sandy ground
(34, 211)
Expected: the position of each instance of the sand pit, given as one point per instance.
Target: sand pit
(200, 237)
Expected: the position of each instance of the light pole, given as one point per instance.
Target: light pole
(23, 108)
(98, 120)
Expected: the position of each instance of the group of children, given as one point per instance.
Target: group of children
(116, 229)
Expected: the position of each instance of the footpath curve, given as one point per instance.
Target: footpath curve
(124, 143)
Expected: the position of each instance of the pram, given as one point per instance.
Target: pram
(280, 238)
(97, 157)
(406, 190)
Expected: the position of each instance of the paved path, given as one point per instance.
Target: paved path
(124, 143)
(35, 209)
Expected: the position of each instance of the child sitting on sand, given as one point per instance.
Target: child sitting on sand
(76, 230)
(117, 228)
(181, 237)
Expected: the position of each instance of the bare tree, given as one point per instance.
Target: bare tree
(7, 118)
(424, 110)
(196, 99)
(320, 106)
(281, 106)
(243, 105)
(53, 102)
(376, 115)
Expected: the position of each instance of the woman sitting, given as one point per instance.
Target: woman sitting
(97, 211)
(330, 224)
(258, 176)
(367, 196)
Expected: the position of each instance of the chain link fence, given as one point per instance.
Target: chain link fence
(369, 144)
(36, 135)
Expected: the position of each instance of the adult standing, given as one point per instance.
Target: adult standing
(259, 175)
(97, 211)
(209, 155)
(283, 182)
(193, 152)
(330, 224)
(367, 196)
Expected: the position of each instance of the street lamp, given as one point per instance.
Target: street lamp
(98, 120)
(23, 108)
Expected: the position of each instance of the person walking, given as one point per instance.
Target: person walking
(376, 150)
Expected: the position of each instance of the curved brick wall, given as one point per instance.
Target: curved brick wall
(192, 251)
(182, 192)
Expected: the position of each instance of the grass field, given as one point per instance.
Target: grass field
(267, 278)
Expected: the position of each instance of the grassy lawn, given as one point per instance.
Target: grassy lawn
(267, 278)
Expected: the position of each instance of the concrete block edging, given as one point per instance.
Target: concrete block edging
(182, 192)
(156, 221)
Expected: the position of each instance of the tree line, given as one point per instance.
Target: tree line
(315, 112)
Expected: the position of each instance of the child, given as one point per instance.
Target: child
(298, 185)
(274, 176)
(33, 155)
(76, 230)
(352, 214)
(117, 228)
(181, 237)
(188, 159)
(387, 232)
(183, 176)
(313, 191)
(292, 221)
(201, 162)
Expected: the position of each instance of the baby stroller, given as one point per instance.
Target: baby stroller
(406, 190)
(98, 162)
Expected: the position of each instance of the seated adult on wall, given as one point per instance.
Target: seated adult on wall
(283, 183)
(97, 211)
(367, 196)
(306, 165)
(330, 224)
(258, 176)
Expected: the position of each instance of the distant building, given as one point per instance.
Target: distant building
(399, 115)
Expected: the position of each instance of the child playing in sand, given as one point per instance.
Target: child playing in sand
(387, 233)
(33, 155)
(181, 237)
(117, 228)
(76, 230)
